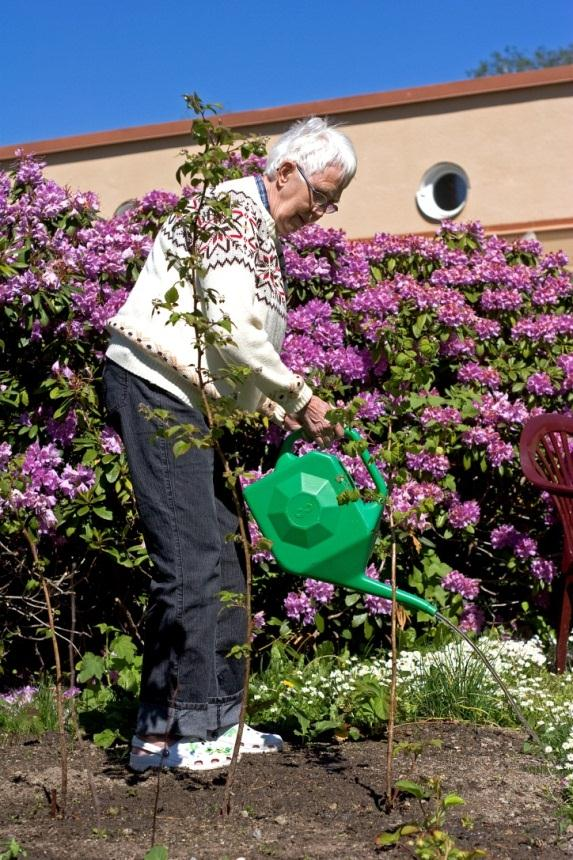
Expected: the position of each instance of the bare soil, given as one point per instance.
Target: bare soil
(307, 803)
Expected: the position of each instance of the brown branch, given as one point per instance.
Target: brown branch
(58, 665)
(394, 671)
(393, 680)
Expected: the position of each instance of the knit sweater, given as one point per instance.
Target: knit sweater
(240, 279)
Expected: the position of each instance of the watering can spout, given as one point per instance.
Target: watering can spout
(367, 585)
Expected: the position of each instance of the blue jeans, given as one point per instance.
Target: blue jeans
(189, 685)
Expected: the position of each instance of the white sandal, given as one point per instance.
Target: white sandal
(252, 741)
(190, 755)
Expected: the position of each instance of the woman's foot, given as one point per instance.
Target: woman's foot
(252, 741)
(186, 753)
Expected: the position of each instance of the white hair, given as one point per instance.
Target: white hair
(314, 145)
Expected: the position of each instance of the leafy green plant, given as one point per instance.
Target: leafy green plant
(450, 684)
(111, 682)
(303, 697)
(158, 852)
(12, 850)
(33, 711)
(427, 839)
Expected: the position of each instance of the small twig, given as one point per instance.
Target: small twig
(57, 661)
(246, 544)
(393, 682)
(156, 799)
(394, 673)
(130, 622)
(93, 793)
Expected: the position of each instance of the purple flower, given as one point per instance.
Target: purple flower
(501, 300)
(71, 692)
(497, 408)
(472, 372)
(110, 441)
(539, 383)
(298, 606)
(5, 454)
(463, 514)
(407, 499)
(21, 696)
(63, 431)
(545, 327)
(486, 329)
(443, 415)
(372, 406)
(257, 624)
(525, 547)
(456, 346)
(472, 619)
(59, 370)
(307, 267)
(350, 363)
(505, 536)
(436, 465)
(259, 620)
(464, 585)
(320, 592)
(76, 480)
(543, 569)
(376, 605)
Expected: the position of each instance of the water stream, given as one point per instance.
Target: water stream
(485, 660)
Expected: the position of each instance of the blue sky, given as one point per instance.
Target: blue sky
(76, 67)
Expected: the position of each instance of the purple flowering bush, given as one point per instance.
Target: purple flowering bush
(443, 347)
(64, 490)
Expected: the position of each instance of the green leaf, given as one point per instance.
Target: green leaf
(158, 852)
(388, 838)
(171, 297)
(124, 648)
(326, 725)
(92, 666)
(104, 513)
(181, 447)
(413, 788)
(419, 325)
(408, 829)
(106, 738)
(453, 800)
(113, 474)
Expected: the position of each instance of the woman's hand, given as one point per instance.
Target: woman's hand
(313, 421)
(291, 424)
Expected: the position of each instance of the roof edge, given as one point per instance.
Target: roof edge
(284, 113)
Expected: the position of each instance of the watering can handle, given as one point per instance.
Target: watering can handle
(365, 455)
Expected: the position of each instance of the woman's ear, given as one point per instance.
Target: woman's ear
(284, 172)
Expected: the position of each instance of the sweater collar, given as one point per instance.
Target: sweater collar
(262, 190)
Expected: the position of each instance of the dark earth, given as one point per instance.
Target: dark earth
(307, 803)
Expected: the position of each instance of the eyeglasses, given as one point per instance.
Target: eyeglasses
(320, 201)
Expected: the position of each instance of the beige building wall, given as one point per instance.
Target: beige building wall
(517, 155)
(512, 135)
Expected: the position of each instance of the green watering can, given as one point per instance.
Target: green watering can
(313, 534)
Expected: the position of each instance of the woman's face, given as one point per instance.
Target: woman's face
(292, 201)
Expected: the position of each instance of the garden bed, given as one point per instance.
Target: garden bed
(321, 801)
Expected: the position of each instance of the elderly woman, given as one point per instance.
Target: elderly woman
(191, 688)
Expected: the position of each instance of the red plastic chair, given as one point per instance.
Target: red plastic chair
(546, 455)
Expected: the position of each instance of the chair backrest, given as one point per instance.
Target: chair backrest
(546, 454)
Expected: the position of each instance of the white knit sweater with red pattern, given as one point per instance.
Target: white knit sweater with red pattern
(242, 277)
